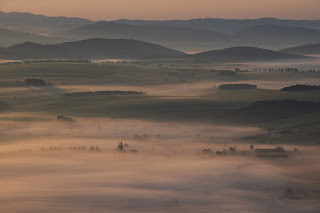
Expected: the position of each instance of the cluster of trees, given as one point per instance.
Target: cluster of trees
(64, 118)
(74, 148)
(34, 82)
(229, 72)
(115, 62)
(274, 152)
(123, 147)
(11, 63)
(278, 151)
(94, 149)
(15, 152)
(301, 87)
(105, 93)
(48, 61)
(277, 70)
(284, 70)
(231, 150)
(51, 149)
(56, 61)
(237, 86)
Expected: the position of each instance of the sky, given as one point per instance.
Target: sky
(167, 9)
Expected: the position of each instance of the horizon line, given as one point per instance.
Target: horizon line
(76, 17)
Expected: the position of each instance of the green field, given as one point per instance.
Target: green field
(173, 94)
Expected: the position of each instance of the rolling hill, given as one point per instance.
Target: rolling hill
(164, 33)
(175, 37)
(89, 49)
(237, 54)
(229, 26)
(193, 35)
(308, 49)
(44, 24)
(187, 37)
(11, 37)
(264, 111)
(276, 36)
(39, 24)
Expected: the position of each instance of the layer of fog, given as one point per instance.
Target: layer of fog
(303, 65)
(189, 89)
(118, 182)
(22, 125)
(183, 89)
(167, 174)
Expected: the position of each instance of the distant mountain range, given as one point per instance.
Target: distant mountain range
(241, 54)
(10, 37)
(89, 49)
(309, 49)
(275, 36)
(189, 39)
(193, 35)
(39, 24)
(133, 49)
(228, 26)
(175, 37)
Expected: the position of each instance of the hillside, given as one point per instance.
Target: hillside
(264, 111)
(39, 24)
(228, 26)
(11, 37)
(304, 49)
(105, 28)
(4, 106)
(42, 24)
(267, 30)
(192, 35)
(301, 88)
(89, 49)
(175, 37)
(275, 36)
(245, 54)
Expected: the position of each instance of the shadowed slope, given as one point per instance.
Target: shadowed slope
(304, 49)
(245, 54)
(89, 49)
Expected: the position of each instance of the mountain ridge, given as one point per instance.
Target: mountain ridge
(89, 49)
(308, 49)
(245, 53)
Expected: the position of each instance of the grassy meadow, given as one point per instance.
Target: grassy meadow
(173, 94)
(48, 162)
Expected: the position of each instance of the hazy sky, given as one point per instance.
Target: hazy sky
(167, 9)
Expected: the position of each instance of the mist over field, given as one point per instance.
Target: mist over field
(76, 182)
(155, 106)
(168, 173)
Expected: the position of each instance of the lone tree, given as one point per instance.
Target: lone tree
(120, 147)
(251, 147)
